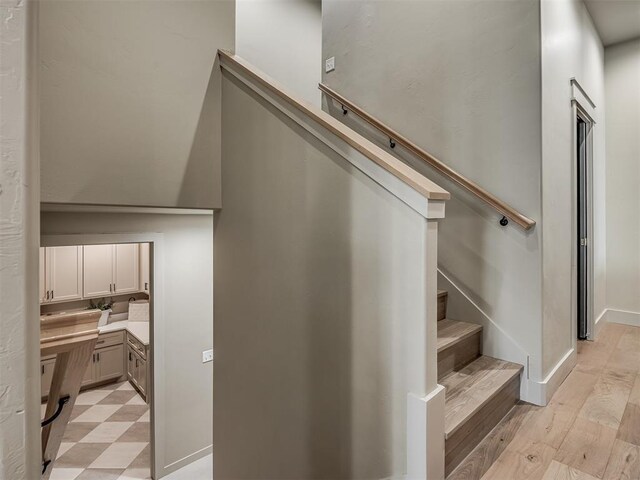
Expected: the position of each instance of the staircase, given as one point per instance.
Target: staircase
(480, 390)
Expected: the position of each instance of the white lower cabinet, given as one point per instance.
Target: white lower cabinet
(116, 355)
(106, 363)
(109, 363)
(137, 367)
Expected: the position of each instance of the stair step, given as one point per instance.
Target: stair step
(459, 343)
(471, 388)
(476, 399)
(451, 332)
(442, 304)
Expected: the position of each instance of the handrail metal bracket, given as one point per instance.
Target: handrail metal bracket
(504, 221)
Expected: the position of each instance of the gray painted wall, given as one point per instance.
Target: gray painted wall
(130, 101)
(20, 453)
(462, 80)
(283, 38)
(571, 48)
(319, 289)
(622, 73)
(187, 302)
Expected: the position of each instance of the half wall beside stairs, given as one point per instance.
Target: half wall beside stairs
(325, 297)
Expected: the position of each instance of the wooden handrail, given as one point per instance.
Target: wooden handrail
(502, 207)
(391, 164)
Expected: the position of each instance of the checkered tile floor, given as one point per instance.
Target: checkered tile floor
(107, 437)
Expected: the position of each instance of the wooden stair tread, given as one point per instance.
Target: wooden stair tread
(471, 388)
(451, 332)
(442, 293)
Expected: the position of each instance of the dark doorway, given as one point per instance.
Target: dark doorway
(582, 129)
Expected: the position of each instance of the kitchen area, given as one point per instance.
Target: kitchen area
(108, 435)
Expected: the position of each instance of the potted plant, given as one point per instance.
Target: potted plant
(105, 307)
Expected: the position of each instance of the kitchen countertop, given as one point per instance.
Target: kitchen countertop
(140, 330)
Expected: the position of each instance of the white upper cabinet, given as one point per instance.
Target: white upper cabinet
(126, 268)
(144, 267)
(60, 274)
(92, 271)
(65, 273)
(98, 270)
(42, 285)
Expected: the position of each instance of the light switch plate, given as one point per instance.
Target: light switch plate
(330, 64)
(207, 356)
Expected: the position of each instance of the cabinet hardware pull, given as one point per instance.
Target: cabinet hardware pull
(47, 294)
(110, 287)
(98, 356)
(61, 403)
(51, 294)
(136, 362)
(42, 369)
(146, 285)
(114, 287)
(130, 356)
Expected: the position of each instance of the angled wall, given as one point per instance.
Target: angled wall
(130, 101)
(622, 80)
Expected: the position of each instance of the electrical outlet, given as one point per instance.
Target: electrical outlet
(207, 356)
(330, 64)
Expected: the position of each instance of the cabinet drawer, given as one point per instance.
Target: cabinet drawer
(108, 339)
(137, 346)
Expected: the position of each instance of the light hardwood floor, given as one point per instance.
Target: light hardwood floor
(590, 429)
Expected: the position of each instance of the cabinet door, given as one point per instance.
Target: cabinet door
(42, 288)
(46, 375)
(65, 273)
(126, 268)
(142, 376)
(144, 267)
(98, 270)
(131, 365)
(109, 362)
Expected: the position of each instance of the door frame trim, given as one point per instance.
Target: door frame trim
(157, 335)
(583, 107)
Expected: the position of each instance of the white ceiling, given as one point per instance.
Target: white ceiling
(616, 20)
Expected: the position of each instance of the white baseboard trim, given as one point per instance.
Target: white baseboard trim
(625, 317)
(184, 461)
(599, 323)
(425, 436)
(540, 393)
